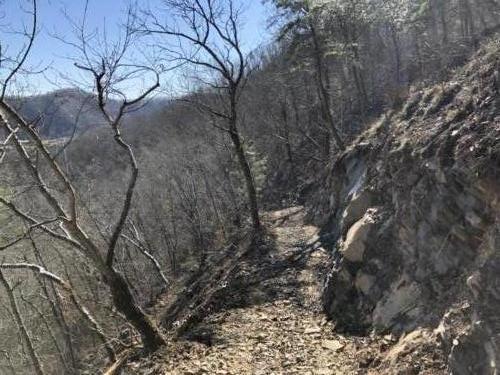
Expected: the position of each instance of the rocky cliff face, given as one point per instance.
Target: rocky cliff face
(411, 213)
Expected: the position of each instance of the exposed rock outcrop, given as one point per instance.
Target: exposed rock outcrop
(411, 212)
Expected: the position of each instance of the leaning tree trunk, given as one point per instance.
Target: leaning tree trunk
(122, 296)
(125, 302)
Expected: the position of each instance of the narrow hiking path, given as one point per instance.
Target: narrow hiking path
(268, 320)
(258, 312)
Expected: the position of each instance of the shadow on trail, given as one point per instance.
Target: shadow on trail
(268, 273)
(258, 270)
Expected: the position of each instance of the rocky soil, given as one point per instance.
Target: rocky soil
(411, 212)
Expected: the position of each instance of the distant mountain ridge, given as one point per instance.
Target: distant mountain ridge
(59, 113)
(63, 112)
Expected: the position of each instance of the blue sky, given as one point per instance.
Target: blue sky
(53, 54)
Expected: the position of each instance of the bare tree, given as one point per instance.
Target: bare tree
(206, 36)
(12, 63)
(106, 66)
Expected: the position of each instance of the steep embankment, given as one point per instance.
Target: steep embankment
(411, 211)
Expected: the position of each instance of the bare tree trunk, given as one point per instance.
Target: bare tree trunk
(125, 303)
(249, 182)
(244, 165)
(141, 243)
(20, 323)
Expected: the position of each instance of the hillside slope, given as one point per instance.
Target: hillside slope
(411, 212)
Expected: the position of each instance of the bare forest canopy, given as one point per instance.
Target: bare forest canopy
(112, 197)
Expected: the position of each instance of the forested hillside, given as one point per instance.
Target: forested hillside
(326, 202)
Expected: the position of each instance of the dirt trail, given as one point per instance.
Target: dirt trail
(268, 320)
(263, 317)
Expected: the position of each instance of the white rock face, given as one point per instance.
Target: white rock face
(403, 297)
(356, 208)
(354, 245)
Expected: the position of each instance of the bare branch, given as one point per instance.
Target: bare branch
(27, 233)
(38, 270)
(36, 224)
(139, 245)
(24, 54)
